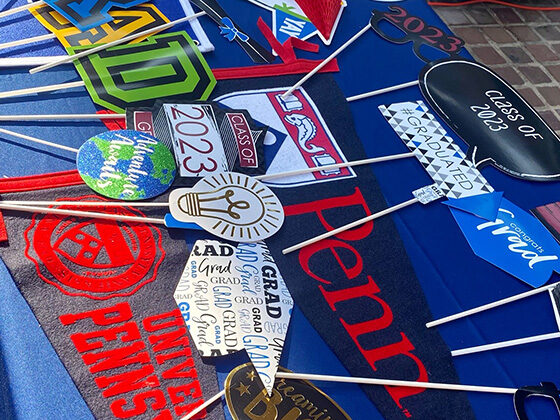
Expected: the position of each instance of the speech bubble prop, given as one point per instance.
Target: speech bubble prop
(166, 65)
(444, 161)
(126, 22)
(229, 205)
(515, 241)
(126, 165)
(248, 400)
(414, 29)
(85, 15)
(501, 128)
(234, 298)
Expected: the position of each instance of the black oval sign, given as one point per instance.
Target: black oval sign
(247, 398)
(500, 127)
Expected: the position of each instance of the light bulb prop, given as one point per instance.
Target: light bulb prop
(231, 206)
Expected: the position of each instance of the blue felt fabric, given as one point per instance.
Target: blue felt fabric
(452, 277)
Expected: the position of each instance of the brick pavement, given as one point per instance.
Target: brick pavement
(523, 46)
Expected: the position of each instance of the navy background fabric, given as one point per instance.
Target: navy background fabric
(452, 277)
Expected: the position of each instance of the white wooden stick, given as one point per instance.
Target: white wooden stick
(381, 91)
(503, 344)
(325, 62)
(331, 167)
(7, 62)
(124, 40)
(366, 381)
(18, 9)
(78, 213)
(60, 117)
(391, 382)
(489, 306)
(41, 89)
(349, 226)
(204, 405)
(36, 140)
(27, 41)
(84, 203)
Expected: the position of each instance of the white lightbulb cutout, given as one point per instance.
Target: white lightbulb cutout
(230, 205)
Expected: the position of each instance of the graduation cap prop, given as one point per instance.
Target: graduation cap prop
(126, 22)
(234, 298)
(240, 381)
(552, 289)
(127, 75)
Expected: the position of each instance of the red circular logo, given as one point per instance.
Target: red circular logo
(94, 258)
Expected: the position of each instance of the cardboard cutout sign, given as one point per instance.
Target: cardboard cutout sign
(297, 138)
(207, 139)
(501, 128)
(85, 15)
(516, 242)
(125, 23)
(234, 298)
(229, 205)
(166, 65)
(444, 161)
(290, 399)
(126, 165)
(414, 29)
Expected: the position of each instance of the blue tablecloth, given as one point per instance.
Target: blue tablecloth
(34, 383)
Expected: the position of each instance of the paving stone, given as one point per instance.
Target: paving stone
(531, 97)
(481, 15)
(453, 16)
(470, 35)
(517, 54)
(535, 75)
(549, 33)
(555, 71)
(510, 75)
(552, 15)
(507, 15)
(551, 94)
(551, 118)
(487, 55)
(524, 33)
(498, 34)
(542, 52)
(531, 16)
